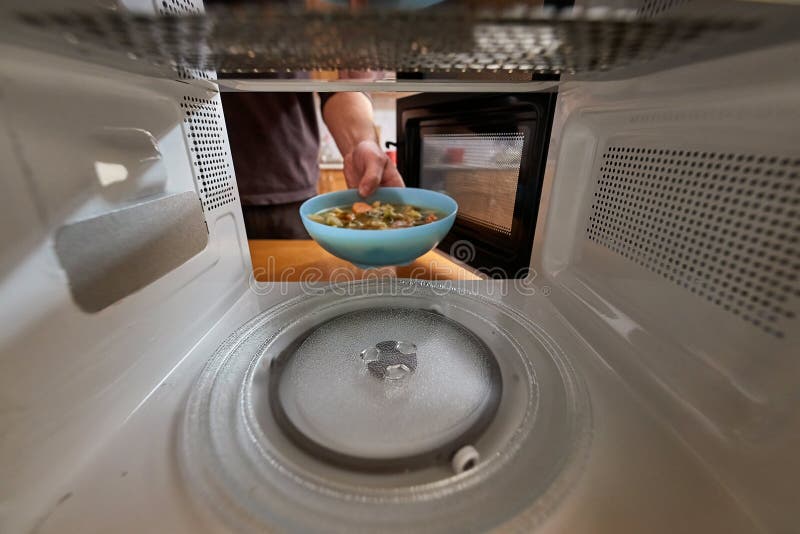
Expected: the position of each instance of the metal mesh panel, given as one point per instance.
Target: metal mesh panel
(205, 130)
(723, 225)
(652, 8)
(183, 8)
(480, 171)
(456, 42)
(179, 7)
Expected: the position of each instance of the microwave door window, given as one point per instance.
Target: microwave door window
(479, 170)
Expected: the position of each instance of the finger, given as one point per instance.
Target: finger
(371, 178)
(351, 175)
(391, 176)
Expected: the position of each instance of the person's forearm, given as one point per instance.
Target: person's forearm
(366, 166)
(349, 119)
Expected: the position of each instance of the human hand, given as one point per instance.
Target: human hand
(368, 167)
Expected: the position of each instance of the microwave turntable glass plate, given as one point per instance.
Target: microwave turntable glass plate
(384, 406)
(390, 404)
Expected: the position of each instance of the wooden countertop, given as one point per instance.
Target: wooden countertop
(294, 260)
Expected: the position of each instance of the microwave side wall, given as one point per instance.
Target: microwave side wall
(668, 236)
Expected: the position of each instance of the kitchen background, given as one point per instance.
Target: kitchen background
(294, 260)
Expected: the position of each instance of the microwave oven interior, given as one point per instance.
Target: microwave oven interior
(623, 356)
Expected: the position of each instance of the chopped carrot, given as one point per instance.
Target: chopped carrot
(361, 207)
(430, 218)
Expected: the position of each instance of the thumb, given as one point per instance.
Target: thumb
(391, 176)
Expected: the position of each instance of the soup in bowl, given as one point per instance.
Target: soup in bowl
(393, 226)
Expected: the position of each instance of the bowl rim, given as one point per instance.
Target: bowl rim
(444, 219)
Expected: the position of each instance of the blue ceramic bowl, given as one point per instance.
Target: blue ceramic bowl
(378, 248)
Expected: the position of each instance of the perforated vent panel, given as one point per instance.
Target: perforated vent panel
(185, 7)
(457, 40)
(651, 8)
(725, 226)
(179, 7)
(208, 143)
(195, 74)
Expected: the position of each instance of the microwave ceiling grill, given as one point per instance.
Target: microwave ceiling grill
(722, 225)
(651, 8)
(205, 133)
(181, 8)
(259, 41)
